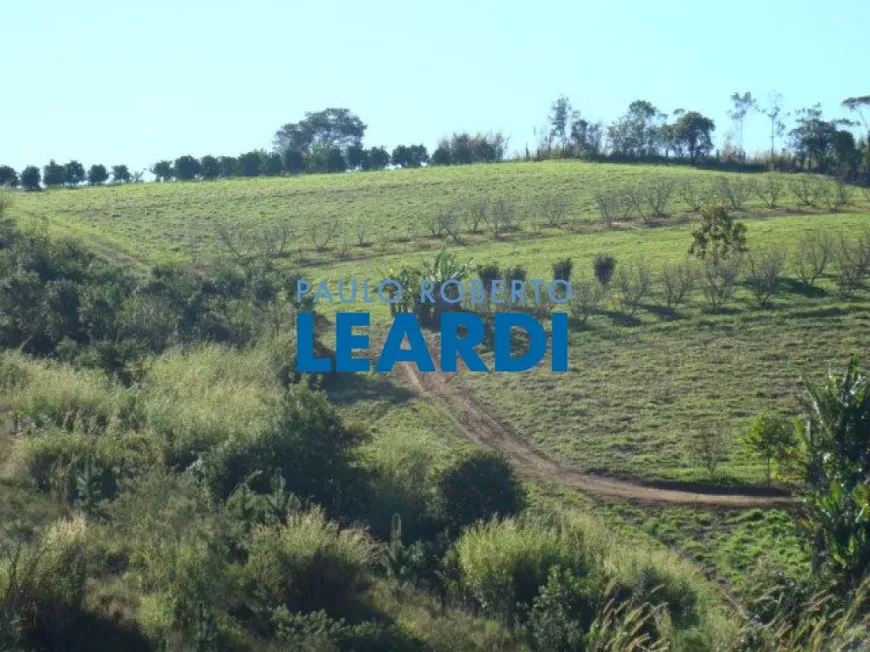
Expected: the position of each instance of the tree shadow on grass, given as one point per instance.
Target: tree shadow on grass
(794, 286)
(354, 387)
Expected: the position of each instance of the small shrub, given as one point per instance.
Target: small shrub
(474, 216)
(764, 274)
(710, 448)
(587, 296)
(807, 190)
(604, 266)
(634, 285)
(657, 198)
(554, 212)
(562, 269)
(307, 565)
(719, 279)
(609, 206)
(735, 192)
(678, 281)
(770, 189)
(811, 257)
(850, 263)
(694, 194)
(322, 232)
(505, 563)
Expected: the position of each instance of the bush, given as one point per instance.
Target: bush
(603, 266)
(812, 256)
(851, 262)
(764, 274)
(679, 281)
(657, 198)
(719, 279)
(634, 285)
(294, 161)
(478, 487)
(806, 189)
(307, 565)
(587, 296)
(771, 189)
(562, 269)
(695, 194)
(505, 563)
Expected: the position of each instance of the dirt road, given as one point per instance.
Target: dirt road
(481, 427)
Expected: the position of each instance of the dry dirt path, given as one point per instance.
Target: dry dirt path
(481, 427)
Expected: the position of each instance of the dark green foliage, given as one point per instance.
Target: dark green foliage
(121, 174)
(53, 174)
(73, 173)
(8, 176)
(294, 161)
(478, 487)
(357, 158)
(718, 234)
(488, 274)
(250, 164)
(273, 166)
(441, 156)
(603, 266)
(186, 168)
(97, 174)
(229, 166)
(379, 158)
(335, 161)
(329, 128)
(770, 438)
(835, 465)
(162, 170)
(210, 167)
(562, 612)
(31, 178)
(562, 269)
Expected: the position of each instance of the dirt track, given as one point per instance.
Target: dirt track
(482, 428)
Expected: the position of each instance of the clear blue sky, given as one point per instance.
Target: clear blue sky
(134, 82)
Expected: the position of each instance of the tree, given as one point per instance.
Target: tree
(586, 137)
(30, 178)
(561, 119)
(162, 170)
(775, 114)
(399, 157)
(273, 166)
(8, 176)
(209, 167)
(741, 105)
(73, 173)
(718, 235)
(379, 158)
(186, 168)
(97, 174)
(121, 174)
(771, 438)
(53, 174)
(335, 161)
(357, 158)
(250, 164)
(329, 128)
(294, 161)
(441, 156)
(637, 132)
(693, 131)
(417, 156)
(710, 448)
(834, 463)
(813, 138)
(229, 166)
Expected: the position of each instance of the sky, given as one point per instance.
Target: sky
(133, 83)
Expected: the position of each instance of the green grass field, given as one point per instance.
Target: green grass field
(388, 212)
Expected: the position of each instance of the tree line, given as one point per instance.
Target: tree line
(331, 141)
